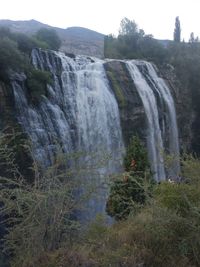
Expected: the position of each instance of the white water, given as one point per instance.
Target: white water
(150, 87)
(154, 137)
(168, 101)
(81, 115)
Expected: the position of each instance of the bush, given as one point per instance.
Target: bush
(136, 158)
(127, 195)
(37, 81)
(181, 198)
(131, 190)
(164, 233)
(38, 215)
(10, 58)
(25, 43)
(49, 37)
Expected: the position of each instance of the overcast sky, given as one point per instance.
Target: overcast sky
(154, 16)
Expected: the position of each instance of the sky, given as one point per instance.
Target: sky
(155, 17)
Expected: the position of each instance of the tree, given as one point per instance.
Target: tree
(50, 37)
(10, 58)
(130, 191)
(136, 156)
(37, 81)
(25, 43)
(192, 39)
(128, 27)
(37, 215)
(177, 30)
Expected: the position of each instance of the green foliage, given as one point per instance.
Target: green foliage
(5, 32)
(133, 43)
(136, 158)
(164, 233)
(131, 190)
(128, 27)
(10, 58)
(111, 47)
(25, 43)
(178, 197)
(128, 194)
(15, 50)
(38, 215)
(37, 82)
(15, 155)
(191, 169)
(49, 37)
(117, 89)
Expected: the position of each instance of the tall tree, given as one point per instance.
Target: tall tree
(177, 30)
(128, 27)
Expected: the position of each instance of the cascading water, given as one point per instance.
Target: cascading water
(154, 138)
(151, 88)
(80, 114)
(168, 103)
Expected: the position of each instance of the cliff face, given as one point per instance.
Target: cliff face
(186, 115)
(132, 113)
(133, 119)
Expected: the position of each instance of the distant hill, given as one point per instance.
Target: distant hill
(76, 40)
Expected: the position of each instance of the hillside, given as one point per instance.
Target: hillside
(76, 40)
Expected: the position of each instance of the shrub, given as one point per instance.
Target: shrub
(131, 190)
(37, 82)
(38, 215)
(10, 58)
(49, 37)
(127, 195)
(181, 198)
(25, 43)
(136, 158)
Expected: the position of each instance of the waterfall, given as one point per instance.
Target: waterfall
(80, 114)
(154, 92)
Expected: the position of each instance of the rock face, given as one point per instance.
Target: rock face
(132, 113)
(137, 83)
(185, 114)
(79, 110)
(82, 41)
(7, 117)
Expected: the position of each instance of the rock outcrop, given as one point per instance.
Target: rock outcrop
(132, 113)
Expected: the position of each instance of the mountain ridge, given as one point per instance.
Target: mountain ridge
(76, 40)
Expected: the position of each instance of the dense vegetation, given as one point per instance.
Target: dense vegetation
(162, 230)
(133, 43)
(130, 191)
(15, 52)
